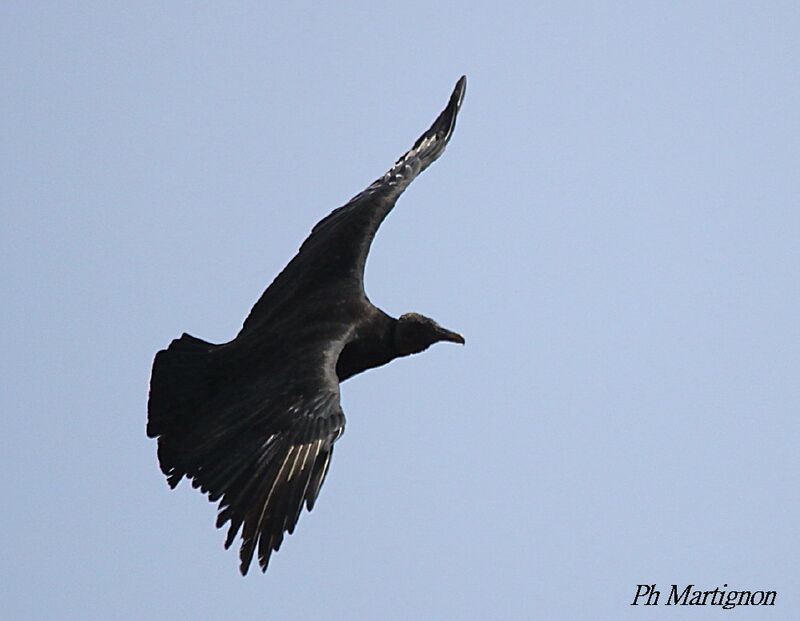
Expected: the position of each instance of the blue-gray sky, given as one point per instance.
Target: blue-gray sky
(614, 228)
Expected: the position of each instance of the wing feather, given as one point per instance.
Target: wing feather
(260, 460)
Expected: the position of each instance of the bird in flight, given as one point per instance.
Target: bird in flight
(252, 422)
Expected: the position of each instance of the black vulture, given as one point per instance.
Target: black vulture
(252, 422)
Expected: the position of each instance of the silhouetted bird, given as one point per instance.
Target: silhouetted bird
(252, 422)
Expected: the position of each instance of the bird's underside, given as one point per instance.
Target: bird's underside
(252, 422)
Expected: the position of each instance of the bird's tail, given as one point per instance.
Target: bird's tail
(181, 380)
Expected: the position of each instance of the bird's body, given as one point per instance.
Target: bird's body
(252, 422)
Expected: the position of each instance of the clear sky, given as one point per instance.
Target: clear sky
(614, 228)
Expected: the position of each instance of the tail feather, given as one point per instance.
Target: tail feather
(181, 380)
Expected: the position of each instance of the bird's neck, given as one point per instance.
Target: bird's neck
(373, 345)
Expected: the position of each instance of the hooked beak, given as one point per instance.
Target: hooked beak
(449, 335)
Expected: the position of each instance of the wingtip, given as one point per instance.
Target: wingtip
(454, 106)
(461, 87)
(442, 128)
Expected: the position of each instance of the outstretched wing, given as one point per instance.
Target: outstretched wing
(280, 472)
(260, 444)
(335, 253)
